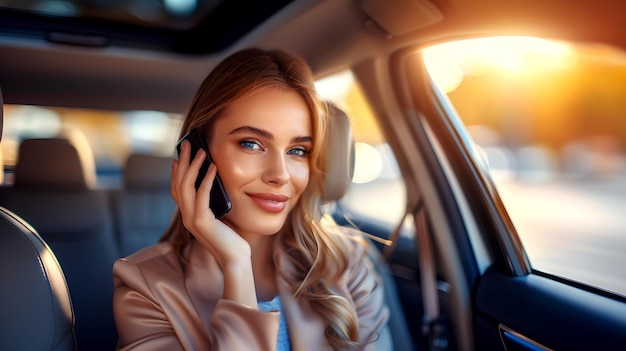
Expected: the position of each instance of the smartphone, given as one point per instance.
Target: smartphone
(220, 203)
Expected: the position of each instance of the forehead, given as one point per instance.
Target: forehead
(279, 111)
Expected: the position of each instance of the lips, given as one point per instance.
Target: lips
(269, 202)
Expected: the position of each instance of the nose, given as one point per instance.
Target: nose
(276, 171)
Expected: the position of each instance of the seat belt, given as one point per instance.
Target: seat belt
(432, 324)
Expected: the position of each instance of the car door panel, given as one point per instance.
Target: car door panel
(554, 314)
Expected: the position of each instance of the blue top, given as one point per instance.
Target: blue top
(283, 343)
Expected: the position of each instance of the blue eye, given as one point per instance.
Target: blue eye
(250, 144)
(298, 151)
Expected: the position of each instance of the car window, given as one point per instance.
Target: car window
(377, 190)
(112, 135)
(550, 119)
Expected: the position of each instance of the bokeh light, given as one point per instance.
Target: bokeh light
(368, 163)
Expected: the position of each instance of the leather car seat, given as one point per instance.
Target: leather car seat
(144, 208)
(53, 189)
(341, 158)
(37, 312)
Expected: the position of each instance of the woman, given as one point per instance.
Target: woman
(268, 275)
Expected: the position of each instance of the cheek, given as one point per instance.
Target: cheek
(231, 166)
(299, 173)
(237, 171)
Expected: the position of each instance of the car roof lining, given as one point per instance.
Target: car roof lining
(306, 27)
(213, 26)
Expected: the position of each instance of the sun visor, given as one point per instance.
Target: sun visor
(399, 17)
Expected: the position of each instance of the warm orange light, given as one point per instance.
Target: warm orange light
(448, 63)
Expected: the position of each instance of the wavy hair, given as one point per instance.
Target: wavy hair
(318, 256)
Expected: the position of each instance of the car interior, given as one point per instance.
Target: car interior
(36, 295)
(460, 267)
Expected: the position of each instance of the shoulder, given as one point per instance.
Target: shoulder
(352, 241)
(364, 260)
(161, 254)
(155, 263)
(355, 248)
(365, 286)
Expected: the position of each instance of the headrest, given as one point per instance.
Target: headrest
(147, 172)
(340, 146)
(64, 162)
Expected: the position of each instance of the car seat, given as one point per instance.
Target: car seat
(37, 312)
(53, 191)
(144, 207)
(340, 144)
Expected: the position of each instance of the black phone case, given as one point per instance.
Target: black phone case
(220, 203)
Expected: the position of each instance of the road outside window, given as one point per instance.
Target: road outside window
(550, 117)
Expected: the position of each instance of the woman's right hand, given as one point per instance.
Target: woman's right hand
(229, 249)
(222, 242)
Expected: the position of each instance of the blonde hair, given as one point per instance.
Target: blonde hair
(319, 257)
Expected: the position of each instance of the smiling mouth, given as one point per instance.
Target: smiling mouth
(272, 203)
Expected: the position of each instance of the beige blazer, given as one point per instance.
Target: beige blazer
(159, 304)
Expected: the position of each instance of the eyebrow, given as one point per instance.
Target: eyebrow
(267, 135)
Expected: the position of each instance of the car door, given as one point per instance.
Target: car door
(540, 238)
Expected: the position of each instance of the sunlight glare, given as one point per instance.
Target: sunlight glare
(335, 87)
(448, 63)
(368, 163)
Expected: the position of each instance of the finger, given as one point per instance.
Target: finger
(191, 173)
(179, 168)
(183, 161)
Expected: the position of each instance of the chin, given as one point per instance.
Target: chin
(261, 224)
